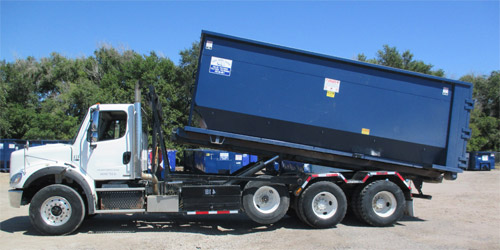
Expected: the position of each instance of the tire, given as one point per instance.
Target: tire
(381, 203)
(56, 210)
(291, 209)
(354, 202)
(322, 205)
(264, 202)
(298, 211)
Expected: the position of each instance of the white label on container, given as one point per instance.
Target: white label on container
(484, 158)
(238, 157)
(332, 85)
(220, 66)
(224, 156)
(209, 45)
(11, 146)
(446, 91)
(1, 146)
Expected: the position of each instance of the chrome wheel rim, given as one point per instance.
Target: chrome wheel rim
(324, 205)
(266, 199)
(55, 211)
(384, 204)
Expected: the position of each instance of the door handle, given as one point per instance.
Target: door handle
(126, 157)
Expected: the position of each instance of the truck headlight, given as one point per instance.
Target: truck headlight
(15, 179)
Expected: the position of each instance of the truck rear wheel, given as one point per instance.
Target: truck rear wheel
(322, 205)
(265, 202)
(56, 210)
(381, 203)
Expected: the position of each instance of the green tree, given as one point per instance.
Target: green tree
(19, 85)
(48, 98)
(4, 124)
(390, 56)
(186, 75)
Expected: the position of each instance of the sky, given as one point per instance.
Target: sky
(460, 37)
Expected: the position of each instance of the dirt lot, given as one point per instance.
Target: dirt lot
(463, 214)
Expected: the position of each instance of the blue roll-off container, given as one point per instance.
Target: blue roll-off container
(217, 161)
(309, 104)
(480, 160)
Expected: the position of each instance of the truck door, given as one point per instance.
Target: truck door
(108, 156)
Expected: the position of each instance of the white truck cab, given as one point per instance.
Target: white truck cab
(106, 148)
(104, 156)
(108, 155)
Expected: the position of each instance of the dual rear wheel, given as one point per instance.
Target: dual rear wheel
(265, 202)
(323, 204)
(380, 203)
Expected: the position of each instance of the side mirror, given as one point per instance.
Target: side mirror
(92, 132)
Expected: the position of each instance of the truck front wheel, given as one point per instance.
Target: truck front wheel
(265, 202)
(56, 210)
(322, 205)
(381, 203)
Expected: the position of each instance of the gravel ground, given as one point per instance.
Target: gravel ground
(463, 214)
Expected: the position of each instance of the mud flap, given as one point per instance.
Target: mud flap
(409, 208)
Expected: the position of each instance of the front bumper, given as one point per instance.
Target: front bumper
(15, 196)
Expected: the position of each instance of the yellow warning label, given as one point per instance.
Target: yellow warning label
(365, 131)
(208, 154)
(330, 94)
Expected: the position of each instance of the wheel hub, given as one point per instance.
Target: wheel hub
(55, 211)
(266, 199)
(384, 204)
(381, 203)
(321, 204)
(324, 205)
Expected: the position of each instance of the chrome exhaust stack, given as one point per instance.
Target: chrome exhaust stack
(137, 146)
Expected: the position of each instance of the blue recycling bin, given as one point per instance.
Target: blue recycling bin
(481, 160)
(217, 161)
(171, 161)
(7, 146)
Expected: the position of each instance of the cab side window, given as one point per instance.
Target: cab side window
(112, 125)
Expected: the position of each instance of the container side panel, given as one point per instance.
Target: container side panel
(274, 93)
